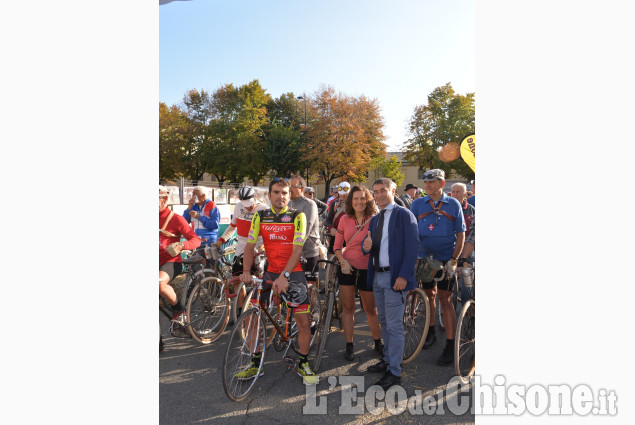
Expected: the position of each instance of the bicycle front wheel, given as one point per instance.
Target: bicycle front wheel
(323, 330)
(207, 310)
(316, 312)
(416, 319)
(247, 338)
(234, 302)
(464, 343)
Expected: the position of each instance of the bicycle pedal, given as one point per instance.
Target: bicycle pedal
(290, 360)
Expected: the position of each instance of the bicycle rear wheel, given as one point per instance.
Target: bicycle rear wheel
(207, 310)
(323, 330)
(247, 338)
(416, 319)
(464, 343)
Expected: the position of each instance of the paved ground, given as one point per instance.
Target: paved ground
(191, 388)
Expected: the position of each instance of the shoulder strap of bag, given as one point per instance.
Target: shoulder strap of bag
(435, 210)
(167, 220)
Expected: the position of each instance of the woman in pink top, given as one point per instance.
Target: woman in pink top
(351, 230)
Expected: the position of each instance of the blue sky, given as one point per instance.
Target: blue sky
(396, 52)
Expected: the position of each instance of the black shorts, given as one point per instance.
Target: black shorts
(331, 243)
(172, 268)
(308, 265)
(237, 267)
(444, 285)
(304, 306)
(358, 278)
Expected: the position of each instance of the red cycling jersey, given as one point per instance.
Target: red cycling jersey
(279, 233)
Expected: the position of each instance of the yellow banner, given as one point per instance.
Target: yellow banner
(468, 151)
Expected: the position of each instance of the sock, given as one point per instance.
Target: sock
(304, 358)
(431, 330)
(378, 341)
(256, 359)
(349, 344)
(177, 307)
(449, 342)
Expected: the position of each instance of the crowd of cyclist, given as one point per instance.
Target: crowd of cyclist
(298, 229)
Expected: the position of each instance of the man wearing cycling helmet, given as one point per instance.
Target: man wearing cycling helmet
(283, 231)
(241, 220)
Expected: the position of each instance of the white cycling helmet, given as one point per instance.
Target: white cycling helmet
(246, 192)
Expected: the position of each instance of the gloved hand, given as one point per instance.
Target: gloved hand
(174, 249)
(450, 267)
(346, 267)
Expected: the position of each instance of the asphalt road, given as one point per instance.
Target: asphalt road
(191, 387)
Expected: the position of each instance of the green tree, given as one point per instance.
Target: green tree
(197, 108)
(237, 133)
(448, 117)
(386, 167)
(173, 126)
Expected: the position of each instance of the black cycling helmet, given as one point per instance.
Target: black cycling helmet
(246, 192)
(296, 293)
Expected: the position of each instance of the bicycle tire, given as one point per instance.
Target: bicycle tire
(274, 310)
(234, 303)
(465, 343)
(416, 320)
(238, 355)
(207, 310)
(316, 311)
(314, 302)
(439, 314)
(323, 331)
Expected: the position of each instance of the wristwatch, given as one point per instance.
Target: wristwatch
(286, 274)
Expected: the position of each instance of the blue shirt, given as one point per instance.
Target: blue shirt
(437, 233)
(383, 247)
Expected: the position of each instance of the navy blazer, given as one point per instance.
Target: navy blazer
(403, 246)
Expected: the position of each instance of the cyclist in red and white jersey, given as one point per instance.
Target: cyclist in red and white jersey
(241, 222)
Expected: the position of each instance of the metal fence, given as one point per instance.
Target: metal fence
(180, 191)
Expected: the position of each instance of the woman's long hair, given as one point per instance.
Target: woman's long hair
(371, 208)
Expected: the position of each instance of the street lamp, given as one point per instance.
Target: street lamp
(303, 97)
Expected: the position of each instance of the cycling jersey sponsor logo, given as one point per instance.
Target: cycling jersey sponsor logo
(285, 218)
(277, 237)
(251, 237)
(299, 240)
(275, 228)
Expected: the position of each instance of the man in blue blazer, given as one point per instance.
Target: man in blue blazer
(393, 244)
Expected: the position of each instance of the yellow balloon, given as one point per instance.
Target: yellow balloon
(468, 151)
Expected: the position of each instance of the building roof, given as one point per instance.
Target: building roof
(400, 157)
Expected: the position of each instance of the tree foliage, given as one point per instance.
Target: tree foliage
(448, 117)
(386, 167)
(172, 135)
(343, 136)
(237, 132)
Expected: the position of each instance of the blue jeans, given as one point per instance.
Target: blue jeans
(390, 309)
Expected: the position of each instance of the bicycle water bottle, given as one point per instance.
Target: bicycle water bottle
(468, 277)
